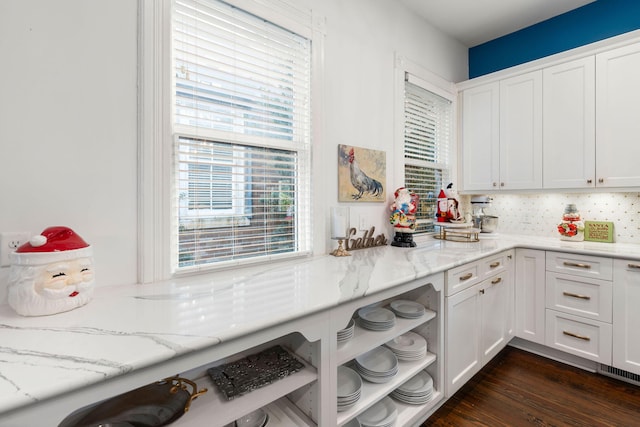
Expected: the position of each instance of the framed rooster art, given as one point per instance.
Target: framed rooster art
(361, 174)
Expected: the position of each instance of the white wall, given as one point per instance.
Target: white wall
(68, 125)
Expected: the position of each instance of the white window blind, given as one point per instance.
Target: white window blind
(242, 136)
(427, 135)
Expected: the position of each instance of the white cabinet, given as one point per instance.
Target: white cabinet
(530, 295)
(579, 305)
(626, 315)
(428, 326)
(479, 321)
(502, 134)
(617, 112)
(481, 137)
(521, 132)
(568, 125)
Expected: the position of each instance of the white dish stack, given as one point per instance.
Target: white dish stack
(349, 388)
(376, 318)
(407, 309)
(382, 414)
(408, 346)
(346, 334)
(416, 391)
(378, 365)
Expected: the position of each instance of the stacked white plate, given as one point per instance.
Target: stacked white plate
(353, 423)
(349, 388)
(416, 391)
(382, 414)
(378, 365)
(408, 346)
(347, 333)
(376, 318)
(407, 309)
(257, 418)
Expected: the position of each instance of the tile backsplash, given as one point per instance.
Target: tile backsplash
(539, 214)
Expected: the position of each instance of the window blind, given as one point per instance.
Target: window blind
(427, 135)
(242, 136)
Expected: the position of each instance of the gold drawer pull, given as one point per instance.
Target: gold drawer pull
(466, 277)
(633, 265)
(575, 264)
(580, 337)
(494, 264)
(570, 294)
(496, 281)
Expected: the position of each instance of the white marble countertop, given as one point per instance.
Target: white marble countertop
(127, 328)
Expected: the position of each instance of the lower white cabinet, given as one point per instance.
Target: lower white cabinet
(579, 305)
(530, 295)
(479, 323)
(626, 315)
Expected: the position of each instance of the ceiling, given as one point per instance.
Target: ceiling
(473, 22)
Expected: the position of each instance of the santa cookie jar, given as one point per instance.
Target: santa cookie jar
(52, 273)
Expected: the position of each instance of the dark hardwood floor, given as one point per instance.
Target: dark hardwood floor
(518, 388)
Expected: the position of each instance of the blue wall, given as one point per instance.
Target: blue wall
(590, 23)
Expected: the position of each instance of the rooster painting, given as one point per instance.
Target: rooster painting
(367, 187)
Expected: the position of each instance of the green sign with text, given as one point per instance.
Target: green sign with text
(598, 231)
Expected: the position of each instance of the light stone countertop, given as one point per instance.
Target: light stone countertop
(127, 328)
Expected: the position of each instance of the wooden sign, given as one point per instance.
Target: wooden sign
(598, 231)
(366, 241)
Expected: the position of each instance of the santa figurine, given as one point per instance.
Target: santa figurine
(403, 217)
(52, 273)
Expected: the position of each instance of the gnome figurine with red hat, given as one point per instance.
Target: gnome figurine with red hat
(52, 273)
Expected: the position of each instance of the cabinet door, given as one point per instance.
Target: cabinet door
(568, 124)
(617, 113)
(462, 338)
(530, 295)
(521, 131)
(626, 315)
(480, 137)
(495, 306)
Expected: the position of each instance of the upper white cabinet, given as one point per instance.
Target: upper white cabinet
(617, 117)
(521, 132)
(481, 137)
(502, 134)
(569, 148)
(573, 124)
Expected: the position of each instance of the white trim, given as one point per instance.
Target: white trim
(154, 129)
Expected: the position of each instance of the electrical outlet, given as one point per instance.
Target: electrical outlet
(362, 222)
(9, 242)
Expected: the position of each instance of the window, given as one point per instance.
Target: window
(241, 127)
(427, 136)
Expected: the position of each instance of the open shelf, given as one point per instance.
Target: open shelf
(373, 392)
(215, 404)
(364, 339)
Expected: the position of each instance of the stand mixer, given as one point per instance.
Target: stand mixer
(486, 223)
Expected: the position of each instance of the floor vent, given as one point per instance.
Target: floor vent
(619, 374)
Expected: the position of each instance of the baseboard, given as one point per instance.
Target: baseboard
(553, 354)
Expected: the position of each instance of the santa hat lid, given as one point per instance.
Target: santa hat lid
(54, 239)
(52, 245)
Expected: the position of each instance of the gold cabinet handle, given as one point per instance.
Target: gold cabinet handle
(575, 264)
(496, 280)
(633, 266)
(571, 294)
(589, 181)
(494, 264)
(601, 180)
(580, 337)
(466, 277)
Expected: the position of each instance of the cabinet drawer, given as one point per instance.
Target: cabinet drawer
(462, 277)
(495, 264)
(586, 297)
(586, 338)
(580, 265)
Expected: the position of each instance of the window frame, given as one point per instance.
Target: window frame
(157, 244)
(433, 83)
